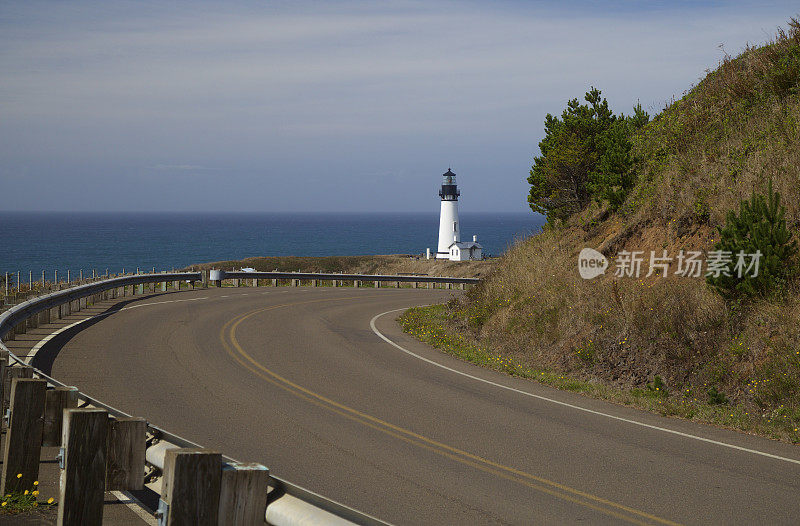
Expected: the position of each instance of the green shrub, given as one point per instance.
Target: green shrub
(658, 387)
(715, 397)
(759, 228)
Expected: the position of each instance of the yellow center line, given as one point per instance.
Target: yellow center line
(235, 350)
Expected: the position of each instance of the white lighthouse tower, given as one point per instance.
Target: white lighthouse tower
(448, 217)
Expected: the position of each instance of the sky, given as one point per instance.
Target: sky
(325, 106)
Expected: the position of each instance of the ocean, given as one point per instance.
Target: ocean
(49, 241)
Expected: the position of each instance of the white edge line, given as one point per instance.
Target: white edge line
(565, 404)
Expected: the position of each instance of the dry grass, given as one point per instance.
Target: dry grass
(737, 129)
(379, 264)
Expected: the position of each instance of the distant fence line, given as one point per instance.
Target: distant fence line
(104, 449)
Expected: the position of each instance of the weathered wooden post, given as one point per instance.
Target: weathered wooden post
(243, 494)
(255, 282)
(377, 284)
(126, 452)
(275, 282)
(82, 484)
(463, 286)
(3, 365)
(355, 283)
(12, 372)
(24, 436)
(191, 488)
(313, 283)
(431, 284)
(56, 400)
(295, 282)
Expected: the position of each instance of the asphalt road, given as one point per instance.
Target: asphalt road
(298, 380)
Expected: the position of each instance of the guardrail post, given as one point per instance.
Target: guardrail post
(355, 283)
(176, 285)
(56, 400)
(23, 445)
(255, 282)
(431, 284)
(3, 365)
(377, 284)
(414, 284)
(243, 494)
(275, 282)
(397, 284)
(191, 488)
(126, 453)
(463, 286)
(12, 372)
(82, 484)
(334, 282)
(295, 282)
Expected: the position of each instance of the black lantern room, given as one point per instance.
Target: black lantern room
(449, 191)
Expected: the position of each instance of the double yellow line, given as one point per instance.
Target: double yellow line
(561, 491)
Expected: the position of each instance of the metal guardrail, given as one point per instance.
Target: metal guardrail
(302, 505)
(403, 278)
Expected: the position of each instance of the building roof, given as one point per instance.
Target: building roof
(466, 244)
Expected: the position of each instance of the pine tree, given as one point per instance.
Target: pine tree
(760, 226)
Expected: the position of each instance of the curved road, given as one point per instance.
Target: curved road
(297, 379)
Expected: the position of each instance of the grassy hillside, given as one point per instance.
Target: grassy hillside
(672, 343)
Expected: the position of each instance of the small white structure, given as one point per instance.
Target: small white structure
(466, 251)
(450, 246)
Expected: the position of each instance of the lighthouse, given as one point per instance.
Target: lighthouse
(448, 217)
(450, 245)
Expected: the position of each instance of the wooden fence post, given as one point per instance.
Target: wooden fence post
(191, 487)
(3, 365)
(11, 372)
(23, 445)
(56, 400)
(126, 452)
(243, 494)
(82, 483)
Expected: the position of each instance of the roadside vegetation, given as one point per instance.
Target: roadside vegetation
(716, 170)
(378, 264)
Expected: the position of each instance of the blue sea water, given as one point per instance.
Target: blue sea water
(36, 241)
